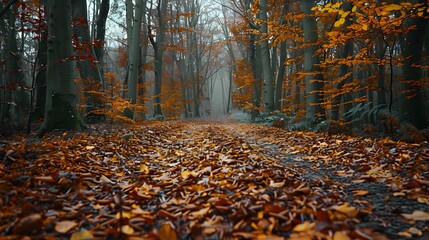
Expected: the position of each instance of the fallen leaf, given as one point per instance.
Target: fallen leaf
(360, 192)
(166, 232)
(341, 235)
(82, 235)
(417, 215)
(65, 226)
(127, 229)
(347, 210)
(304, 227)
(28, 224)
(411, 232)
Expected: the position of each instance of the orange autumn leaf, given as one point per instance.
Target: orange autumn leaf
(166, 232)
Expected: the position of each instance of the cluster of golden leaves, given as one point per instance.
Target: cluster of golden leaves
(171, 180)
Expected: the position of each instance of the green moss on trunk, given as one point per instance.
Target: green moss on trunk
(63, 115)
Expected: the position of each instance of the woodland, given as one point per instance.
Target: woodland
(222, 119)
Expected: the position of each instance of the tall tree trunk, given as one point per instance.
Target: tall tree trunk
(159, 54)
(266, 60)
(280, 75)
(133, 55)
(101, 33)
(61, 111)
(42, 58)
(412, 101)
(314, 82)
(16, 97)
(87, 62)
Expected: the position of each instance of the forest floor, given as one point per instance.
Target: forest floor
(211, 180)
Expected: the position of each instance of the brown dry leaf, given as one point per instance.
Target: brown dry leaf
(104, 179)
(65, 226)
(166, 232)
(82, 235)
(199, 214)
(417, 215)
(28, 224)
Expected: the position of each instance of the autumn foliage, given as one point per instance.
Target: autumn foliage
(172, 180)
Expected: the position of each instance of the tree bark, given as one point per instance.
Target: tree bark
(413, 101)
(266, 60)
(133, 56)
(61, 111)
(101, 33)
(87, 62)
(314, 81)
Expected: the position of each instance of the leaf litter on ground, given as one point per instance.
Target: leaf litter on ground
(210, 180)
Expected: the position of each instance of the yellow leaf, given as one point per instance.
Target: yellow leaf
(304, 227)
(392, 7)
(339, 22)
(82, 235)
(186, 174)
(336, 5)
(127, 229)
(345, 14)
(417, 215)
(166, 232)
(365, 27)
(347, 210)
(65, 226)
(144, 168)
(341, 236)
(354, 9)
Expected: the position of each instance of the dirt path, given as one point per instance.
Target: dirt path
(213, 180)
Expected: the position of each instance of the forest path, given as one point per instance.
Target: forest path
(382, 178)
(212, 179)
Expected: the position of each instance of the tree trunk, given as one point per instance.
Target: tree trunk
(101, 33)
(412, 101)
(87, 62)
(42, 59)
(133, 56)
(16, 98)
(280, 75)
(159, 55)
(266, 60)
(314, 82)
(61, 111)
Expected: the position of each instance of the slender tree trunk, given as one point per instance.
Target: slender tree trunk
(412, 101)
(314, 82)
(87, 62)
(61, 111)
(266, 61)
(42, 54)
(159, 54)
(101, 33)
(133, 56)
(280, 75)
